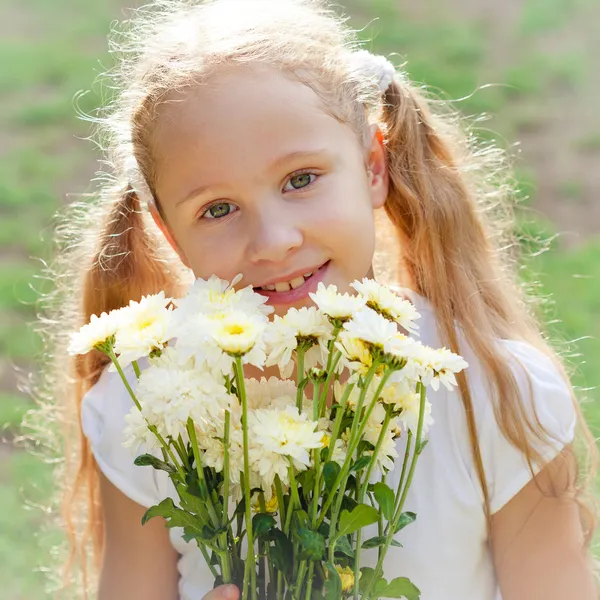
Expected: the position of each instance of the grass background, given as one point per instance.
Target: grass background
(527, 64)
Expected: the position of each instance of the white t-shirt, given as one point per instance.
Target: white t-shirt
(445, 552)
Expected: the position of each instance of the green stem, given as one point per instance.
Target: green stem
(115, 361)
(380, 440)
(152, 428)
(331, 367)
(300, 580)
(398, 512)
(316, 390)
(200, 470)
(136, 368)
(309, 579)
(214, 571)
(358, 428)
(339, 415)
(250, 569)
(361, 497)
(227, 570)
(355, 425)
(299, 377)
(403, 472)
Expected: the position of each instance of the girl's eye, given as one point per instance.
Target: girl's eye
(219, 210)
(301, 180)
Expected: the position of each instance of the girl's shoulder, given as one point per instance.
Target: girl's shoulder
(103, 419)
(545, 396)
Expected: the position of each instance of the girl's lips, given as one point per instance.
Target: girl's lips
(298, 294)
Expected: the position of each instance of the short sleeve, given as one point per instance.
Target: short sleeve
(103, 411)
(549, 397)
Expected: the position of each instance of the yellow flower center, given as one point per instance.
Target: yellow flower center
(234, 329)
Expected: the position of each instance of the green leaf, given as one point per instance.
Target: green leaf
(361, 463)
(147, 460)
(175, 517)
(262, 523)
(312, 543)
(330, 472)
(283, 552)
(301, 518)
(333, 585)
(379, 540)
(380, 587)
(366, 575)
(343, 545)
(385, 498)
(406, 518)
(193, 504)
(361, 516)
(401, 587)
(421, 446)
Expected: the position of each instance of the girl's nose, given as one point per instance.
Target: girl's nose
(277, 233)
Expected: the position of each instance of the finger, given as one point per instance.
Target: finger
(223, 592)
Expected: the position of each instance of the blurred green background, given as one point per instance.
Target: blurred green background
(528, 64)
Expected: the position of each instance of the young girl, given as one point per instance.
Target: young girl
(254, 137)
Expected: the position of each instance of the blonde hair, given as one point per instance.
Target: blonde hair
(449, 204)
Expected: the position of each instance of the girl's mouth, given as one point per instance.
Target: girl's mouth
(295, 288)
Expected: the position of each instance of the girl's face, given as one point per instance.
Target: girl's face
(254, 177)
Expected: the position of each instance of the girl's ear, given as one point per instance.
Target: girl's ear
(378, 169)
(164, 228)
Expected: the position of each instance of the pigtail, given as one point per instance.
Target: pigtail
(128, 261)
(450, 252)
(440, 199)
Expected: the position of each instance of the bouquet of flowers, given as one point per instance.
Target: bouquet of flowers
(276, 479)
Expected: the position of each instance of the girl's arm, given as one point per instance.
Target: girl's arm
(139, 561)
(537, 542)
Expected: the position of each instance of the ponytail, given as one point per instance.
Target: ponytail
(437, 203)
(127, 261)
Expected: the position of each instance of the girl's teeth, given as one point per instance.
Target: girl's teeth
(285, 286)
(296, 283)
(282, 286)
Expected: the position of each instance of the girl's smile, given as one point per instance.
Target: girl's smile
(293, 288)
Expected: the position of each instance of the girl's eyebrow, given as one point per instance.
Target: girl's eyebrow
(277, 163)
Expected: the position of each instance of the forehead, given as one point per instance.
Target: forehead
(252, 114)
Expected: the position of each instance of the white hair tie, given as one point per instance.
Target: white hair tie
(137, 181)
(374, 65)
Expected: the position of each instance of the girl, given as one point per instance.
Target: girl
(262, 141)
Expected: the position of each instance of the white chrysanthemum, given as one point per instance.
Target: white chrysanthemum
(285, 333)
(136, 432)
(144, 328)
(278, 436)
(270, 393)
(217, 295)
(435, 365)
(409, 417)
(336, 305)
(169, 397)
(214, 455)
(399, 391)
(386, 302)
(340, 451)
(357, 356)
(96, 333)
(371, 327)
(171, 358)
(237, 333)
(387, 453)
(354, 396)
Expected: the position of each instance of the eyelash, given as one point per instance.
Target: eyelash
(295, 174)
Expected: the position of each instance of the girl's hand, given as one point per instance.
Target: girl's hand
(223, 592)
